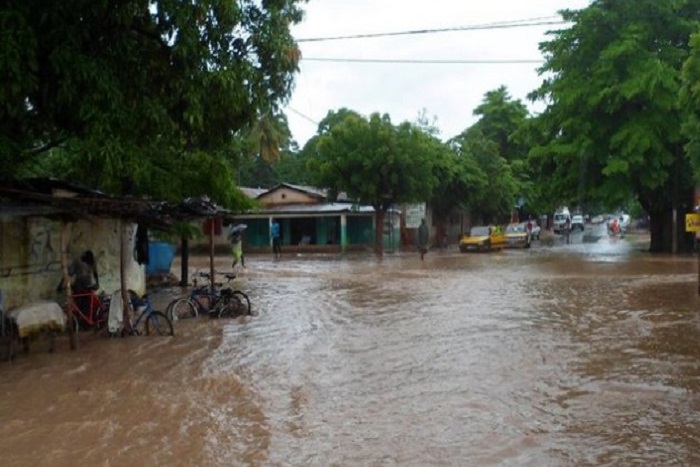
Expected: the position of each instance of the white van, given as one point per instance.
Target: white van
(560, 218)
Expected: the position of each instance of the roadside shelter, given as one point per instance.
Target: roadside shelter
(45, 223)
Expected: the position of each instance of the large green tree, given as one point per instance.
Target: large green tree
(375, 163)
(493, 185)
(500, 119)
(504, 121)
(690, 100)
(459, 179)
(151, 91)
(612, 82)
(264, 145)
(461, 182)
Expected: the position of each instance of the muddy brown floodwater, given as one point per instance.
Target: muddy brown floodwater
(580, 354)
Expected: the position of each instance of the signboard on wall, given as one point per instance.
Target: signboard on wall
(414, 214)
(692, 222)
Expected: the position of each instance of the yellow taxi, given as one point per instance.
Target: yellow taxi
(483, 238)
(517, 236)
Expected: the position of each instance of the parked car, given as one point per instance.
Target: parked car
(517, 236)
(599, 219)
(483, 238)
(577, 222)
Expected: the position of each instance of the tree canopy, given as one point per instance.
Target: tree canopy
(493, 186)
(131, 88)
(500, 118)
(613, 118)
(375, 162)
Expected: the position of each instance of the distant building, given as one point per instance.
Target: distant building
(309, 221)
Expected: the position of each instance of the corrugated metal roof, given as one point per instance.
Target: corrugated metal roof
(321, 209)
(252, 192)
(63, 198)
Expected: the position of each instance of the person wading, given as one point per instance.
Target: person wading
(276, 238)
(237, 249)
(423, 235)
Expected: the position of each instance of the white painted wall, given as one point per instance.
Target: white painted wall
(30, 256)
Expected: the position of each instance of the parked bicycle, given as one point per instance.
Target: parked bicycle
(94, 311)
(148, 321)
(197, 302)
(222, 301)
(231, 303)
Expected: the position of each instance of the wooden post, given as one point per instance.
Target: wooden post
(674, 231)
(184, 264)
(697, 247)
(66, 281)
(212, 222)
(126, 299)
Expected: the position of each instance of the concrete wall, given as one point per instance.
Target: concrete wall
(30, 256)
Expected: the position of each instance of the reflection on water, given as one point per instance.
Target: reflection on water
(583, 353)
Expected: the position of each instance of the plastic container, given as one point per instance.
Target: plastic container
(160, 257)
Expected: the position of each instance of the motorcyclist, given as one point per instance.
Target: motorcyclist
(614, 226)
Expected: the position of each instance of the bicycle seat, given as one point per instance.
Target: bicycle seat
(230, 275)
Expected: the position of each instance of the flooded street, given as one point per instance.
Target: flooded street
(580, 354)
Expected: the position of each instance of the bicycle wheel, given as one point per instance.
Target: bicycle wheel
(74, 322)
(220, 309)
(243, 305)
(158, 324)
(181, 308)
(235, 304)
(101, 317)
(205, 303)
(228, 307)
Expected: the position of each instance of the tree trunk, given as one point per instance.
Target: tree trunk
(661, 230)
(212, 283)
(185, 255)
(441, 233)
(379, 232)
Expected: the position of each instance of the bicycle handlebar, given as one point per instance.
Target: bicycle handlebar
(205, 275)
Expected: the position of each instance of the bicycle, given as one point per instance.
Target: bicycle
(230, 302)
(193, 305)
(154, 322)
(97, 313)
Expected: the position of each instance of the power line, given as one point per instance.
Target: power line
(419, 61)
(305, 117)
(499, 25)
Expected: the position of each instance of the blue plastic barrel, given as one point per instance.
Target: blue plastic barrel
(160, 257)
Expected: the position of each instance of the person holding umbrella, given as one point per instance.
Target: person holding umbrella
(236, 238)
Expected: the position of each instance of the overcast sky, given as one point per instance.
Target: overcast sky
(448, 92)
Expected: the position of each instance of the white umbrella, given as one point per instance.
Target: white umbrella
(238, 228)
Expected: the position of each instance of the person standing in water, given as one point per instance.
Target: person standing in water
(276, 238)
(237, 249)
(423, 237)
